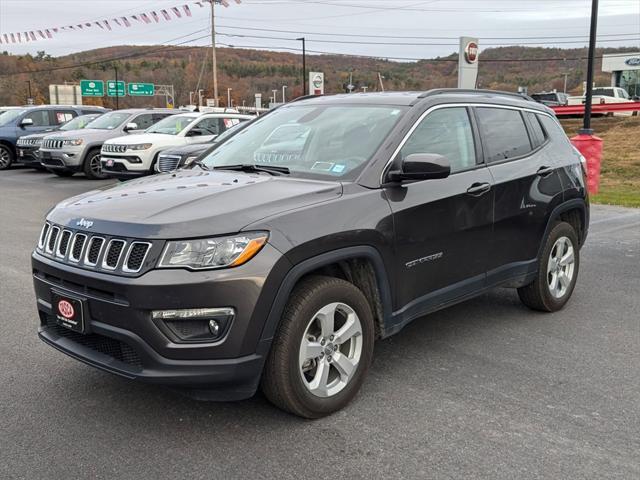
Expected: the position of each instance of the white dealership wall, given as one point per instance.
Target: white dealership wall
(623, 67)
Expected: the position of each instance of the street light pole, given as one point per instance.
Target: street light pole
(586, 127)
(116, 69)
(275, 96)
(284, 87)
(229, 97)
(214, 66)
(304, 66)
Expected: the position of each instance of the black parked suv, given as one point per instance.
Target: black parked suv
(277, 259)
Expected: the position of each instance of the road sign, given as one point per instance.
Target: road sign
(141, 89)
(111, 88)
(92, 88)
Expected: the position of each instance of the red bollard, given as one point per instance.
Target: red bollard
(590, 147)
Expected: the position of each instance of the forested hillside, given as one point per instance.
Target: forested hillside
(251, 71)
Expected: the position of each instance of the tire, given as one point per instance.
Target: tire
(63, 173)
(548, 292)
(288, 382)
(6, 157)
(92, 167)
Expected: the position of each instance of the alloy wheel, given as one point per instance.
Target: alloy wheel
(5, 157)
(96, 166)
(330, 350)
(560, 267)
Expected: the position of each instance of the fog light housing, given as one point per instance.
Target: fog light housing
(194, 324)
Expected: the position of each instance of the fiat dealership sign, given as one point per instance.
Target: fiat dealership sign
(471, 52)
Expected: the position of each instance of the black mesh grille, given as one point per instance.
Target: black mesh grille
(136, 256)
(108, 346)
(43, 235)
(94, 250)
(64, 242)
(113, 255)
(52, 238)
(78, 245)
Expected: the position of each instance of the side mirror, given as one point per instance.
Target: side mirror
(194, 132)
(26, 122)
(130, 126)
(421, 166)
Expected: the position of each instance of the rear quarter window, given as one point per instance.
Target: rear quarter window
(504, 134)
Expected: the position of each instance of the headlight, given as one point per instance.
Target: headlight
(190, 159)
(139, 146)
(75, 141)
(218, 252)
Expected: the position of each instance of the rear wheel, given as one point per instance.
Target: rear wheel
(558, 267)
(92, 167)
(6, 157)
(322, 350)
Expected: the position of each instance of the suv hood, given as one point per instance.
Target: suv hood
(190, 203)
(193, 149)
(88, 134)
(144, 138)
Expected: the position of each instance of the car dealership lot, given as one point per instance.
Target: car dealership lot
(484, 389)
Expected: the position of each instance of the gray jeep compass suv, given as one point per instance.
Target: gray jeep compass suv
(279, 257)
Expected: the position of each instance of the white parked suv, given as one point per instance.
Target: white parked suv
(127, 157)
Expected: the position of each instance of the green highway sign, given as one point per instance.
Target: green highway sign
(112, 86)
(92, 88)
(141, 89)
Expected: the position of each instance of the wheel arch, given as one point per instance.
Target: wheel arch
(360, 265)
(576, 213)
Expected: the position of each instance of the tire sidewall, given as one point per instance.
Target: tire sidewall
(11, 157)
(87, 165)
(560, 230)
(354, 299)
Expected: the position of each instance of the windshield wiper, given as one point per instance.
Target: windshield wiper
(247, 167)
(200, 164)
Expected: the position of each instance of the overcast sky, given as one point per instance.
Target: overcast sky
(329, 25)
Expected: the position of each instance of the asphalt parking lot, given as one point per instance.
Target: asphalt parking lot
(486, 389)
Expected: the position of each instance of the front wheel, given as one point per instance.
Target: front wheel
(322, 350)
(92, 166)
(558, 267)
(6, 157)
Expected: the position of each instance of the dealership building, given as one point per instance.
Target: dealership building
(625, 71)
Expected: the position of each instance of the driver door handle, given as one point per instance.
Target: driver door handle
(478, 189)
(544, 171)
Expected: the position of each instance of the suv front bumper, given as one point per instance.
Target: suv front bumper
(123, 339)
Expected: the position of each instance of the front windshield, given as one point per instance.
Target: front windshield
(310, 140)
(109, 121)
(172, 125)
(78, 123)
(10, 115)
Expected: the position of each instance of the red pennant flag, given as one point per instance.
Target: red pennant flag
(187, 10)
(155, 16)
(41, 34)
(116, 21)
(6, 38)
(166, 15)
(106, 22)
(48, 33)
(19, 38)
(99, 24)
(125, 21)
(238, 2)
(224, 3)
(33, 36)
(87, 24)
(135, 17)
(79, 26)
(176, 12)
(13, 38)
(200, 4)
(145, 18)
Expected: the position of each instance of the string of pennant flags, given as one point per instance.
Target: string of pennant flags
(153, 16)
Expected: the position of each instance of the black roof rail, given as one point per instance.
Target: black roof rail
(439, 91)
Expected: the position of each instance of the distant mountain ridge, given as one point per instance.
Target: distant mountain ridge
(251, 71)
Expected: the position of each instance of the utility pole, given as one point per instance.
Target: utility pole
(29, 98)
(304, 66)
(586, 127)
(284, 87)
(116, 70)
(380, 77)
(213, 55)
(565, 82)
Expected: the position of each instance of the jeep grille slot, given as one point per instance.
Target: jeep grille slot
(93, 251)
(167, 163)
(135, 256)
(77, 246)
(53, 236)
(113, 253)
(43, 236)
(63, 246)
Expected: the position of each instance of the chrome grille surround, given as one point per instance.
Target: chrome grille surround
(100, 253)
(52, 143)
(113, 148)
(168, 163)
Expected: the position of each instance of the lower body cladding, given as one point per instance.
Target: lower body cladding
(124, 167)
(136, 327)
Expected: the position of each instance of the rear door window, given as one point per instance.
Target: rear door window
(143, 121)
(63, 116)
(504, 134)
(538, 134)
